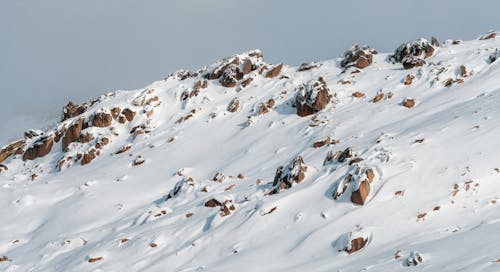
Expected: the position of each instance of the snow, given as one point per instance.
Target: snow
(63, 218)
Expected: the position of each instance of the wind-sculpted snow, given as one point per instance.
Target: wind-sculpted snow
(381, 168)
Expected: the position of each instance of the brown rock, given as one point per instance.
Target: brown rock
(274, 72)
(233, 105)
(93, 260)
(358, 94)
(247, 67)
(307, 66)
(370, 175)
(409, 79)
(409, 103)
(71, 110)
(72, 134)
(378, 97)
(102, 119)
(270, 103)
(246, 82)
(138, 161)
(204, 85)
(124, 149)
(357, 244)
(312, 97)
(410, 62)
(322, 143)
(240, 176)
(39, 149)
(12, 149)
(463, 71)
(219, 177)
(293, 173)
(359, 196)
(217, 72)
(263, 109)
(129, 114)
(358, 57)
(85, 138)
(212, 203)
(115, 112)
(89, 156)
(435, 42)
(487, 36)
(413, 51)
(4, 259)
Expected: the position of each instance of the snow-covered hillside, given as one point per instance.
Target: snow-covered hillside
(370, 162)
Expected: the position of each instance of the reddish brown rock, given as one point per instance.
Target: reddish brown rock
(247, 67)
(418, 49)
(12, 149)
(115, 112)
(357, 244)
(463, 71)
(4, 259)
(204, 85)
(358, 94)
(409, 79)
(411, 62)
(286, 176)
(89, 156)
(414, 259)
(212, 203)
(217, 72)
(102, 119)
(39, 149)
(274, 72)
(322, 143)
(378, 97)
(233, 105)
(409, 103)
(246, 82)
(489, 35)
(129, 114)
(358, 57)
(271, 103)
(96, 259)
(312, 97)
(263, 109)
(359, 196)
(72, 134)
(85, 138)
(71, 110)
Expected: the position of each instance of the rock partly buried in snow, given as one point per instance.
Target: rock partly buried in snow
(230, 76)
(233, 105)
(275, 71)
(129, 114)
(102, 119)
(351, 242)
(40, 148)
(360, 195)
(311, 97)
(409, 102)
(410, 62)
(307, 66)
(3, 167)
(71, 110)
(226, 207)
(12, 149)
(409, 79)
(413, 54)
(359, 57)
(287, 176)
(414, 259)
(489, 35)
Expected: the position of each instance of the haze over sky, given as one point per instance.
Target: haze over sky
(53, 51)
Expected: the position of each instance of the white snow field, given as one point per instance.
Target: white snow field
(431, 170)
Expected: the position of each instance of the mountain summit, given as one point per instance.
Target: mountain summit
(369, 162)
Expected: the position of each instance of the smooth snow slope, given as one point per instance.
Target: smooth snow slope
(63, 218)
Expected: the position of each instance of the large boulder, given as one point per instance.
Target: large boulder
(230, 76)
(102, 119)
(275, 71)
(287, 176)
(40, 148)
(312, 97)
(412, 54)
(359, 57)
(12, 149)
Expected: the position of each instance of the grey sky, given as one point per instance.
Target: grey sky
(53, 51)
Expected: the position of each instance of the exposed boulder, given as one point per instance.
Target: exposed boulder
(409, 79)
(351, 242)
(358, 94)
(40, 148)
(71, 110)
(435, 42)
(72, 134)
(410, 62)
(322, 143)
(219, 177)
(226, 207)
(217, 72)
(307, 66)
(12, 149)
(378, 97)
(89, 156)
(246, 82)
(102, 119)
(3, 167)
(409, 102)
(115, 112)
(463, 71)
(419, 49)
(287, 176)
(311, 97)
(360, 195)
(359, 57)
(489, 35)
(129, 114)
(230, 76)
(275, 71)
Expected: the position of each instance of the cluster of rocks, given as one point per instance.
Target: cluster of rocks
(287, 176)
(359, 57)
(412, 54)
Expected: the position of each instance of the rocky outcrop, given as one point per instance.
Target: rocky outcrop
(12, 149)
(39, 149)
(410, 62)
(230, 76)
(102, 119)
(420, 49)
(311, 97)
(287, 176)
(71, 110)
(359, 57)
(72, 134)
(128, 115)
(233, 105)
(307, 66)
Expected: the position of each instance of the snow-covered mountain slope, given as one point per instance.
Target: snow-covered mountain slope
(390, 163)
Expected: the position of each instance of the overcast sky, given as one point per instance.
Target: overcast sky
(52, 51)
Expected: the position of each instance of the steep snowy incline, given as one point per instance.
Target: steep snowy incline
(370, 162)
